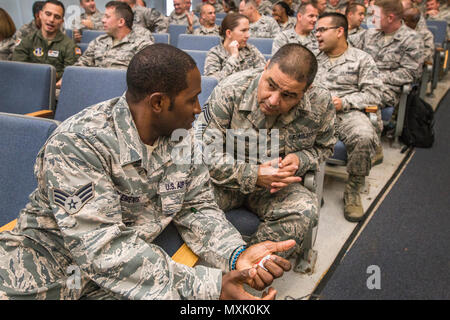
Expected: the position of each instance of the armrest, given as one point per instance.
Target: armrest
(42, 114)
(309, 181)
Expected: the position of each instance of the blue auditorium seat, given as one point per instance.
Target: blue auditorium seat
(21, 138)
(208, 85)
(83, 46)
(197, 42)
(161, 37)
(26, 87)
(174, 31)
(199, 56)
(89, 35)
(264, 45)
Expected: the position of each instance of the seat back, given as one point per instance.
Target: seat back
(220, 15)
(199, 56)
(197, 42)
(174, 31)
(161, 37)
(89, 35)
(264, 45)
(208, 85)
(21, 138)
(26, 87)
(440, 33)
(83, 87)
(83, 46)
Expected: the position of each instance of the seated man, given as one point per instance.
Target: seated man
(34, 25)
(121, 41)
(148, 18)
(355, 14)
(300, 121)
(434, 12)
(353, 80)
(261, 26)
(208, 26)
(411, 17)
(104, 194)
(49, 45)
(91, 19)
(217, 4)
(302, 33)
(396, 49)
(180, 15)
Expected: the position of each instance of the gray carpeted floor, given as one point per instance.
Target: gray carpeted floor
(408, 238)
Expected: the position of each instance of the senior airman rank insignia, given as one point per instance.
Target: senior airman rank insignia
(72, 203)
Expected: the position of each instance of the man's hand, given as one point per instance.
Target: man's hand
(278, 173)
(337, 103)
(190, 19)
(87, 23)
(233, 286)
(58, 84)
(275, 265)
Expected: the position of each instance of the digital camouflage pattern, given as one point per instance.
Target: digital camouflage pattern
(151, 19)
(399, 59)
(265, 27)
(307, 130)
(214, 31)
(290, 36)
(96, 19)
(182, 19)
(7, 48)
(355, 36)
(219, 63)
(290, 24)
(101, 200)
(265, 8)
(103, 53)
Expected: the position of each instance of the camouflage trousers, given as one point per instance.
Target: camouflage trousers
(287, 214)
(30, 272)
(361, 139)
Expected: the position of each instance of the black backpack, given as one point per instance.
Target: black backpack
(419, 122)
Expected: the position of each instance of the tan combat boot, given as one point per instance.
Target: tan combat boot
(353, 209)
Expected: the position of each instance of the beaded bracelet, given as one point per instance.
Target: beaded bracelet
(235, 255)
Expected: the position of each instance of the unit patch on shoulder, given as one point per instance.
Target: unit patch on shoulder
(72, 203)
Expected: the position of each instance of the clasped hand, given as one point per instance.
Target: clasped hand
(278, 173)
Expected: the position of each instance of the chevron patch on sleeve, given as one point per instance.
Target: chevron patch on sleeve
(72, 203)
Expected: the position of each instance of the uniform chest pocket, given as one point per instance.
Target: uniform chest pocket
(171, 202)
(299, 141)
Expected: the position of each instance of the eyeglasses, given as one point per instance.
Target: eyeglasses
(323, 29)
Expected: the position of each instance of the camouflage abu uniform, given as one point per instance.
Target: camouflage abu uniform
(354, 78)
(7, 48)
(151, 19)
(101, 201)
(265, 27)
(265, 8)
(182, 19)
(399, 59)
(290, 24)
(103, 53)
(96, 19)
(217, 6)
(291, 36)
(307, 130)
(219, 63)
(214, 31)
(355, 35)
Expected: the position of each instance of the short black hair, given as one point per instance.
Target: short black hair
(158, 68)
(57, 3)
(296, 61)
(285, 6)
(123, 10)
(37, 6)
(338, 19)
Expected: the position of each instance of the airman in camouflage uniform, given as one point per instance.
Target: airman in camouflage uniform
(306, 133)
(95, 18)
(412, 18)
(151, 19)
(265, 27)
(105, 52)
(265, 8)
(215, 3)
(399, 58)
(207, 20)
(219, 63)
(182, 19)
(303, 31)
(354, 81)
(106, 190)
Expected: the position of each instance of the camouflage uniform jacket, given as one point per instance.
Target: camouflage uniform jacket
(308, 129)
(265, 27)
(290, 24)
(214, 31)
(353, 77)
(399, 60)
(219, 63)
(290, 36)
(102, 199)
(355, 36)
(182, 19)
(340, 7)
(96, 19)
(60, 52)
(26, 30)
(217, 6)
(428, 42)
(151, 19)
(7, 48)
(265, 8)
(103, 53)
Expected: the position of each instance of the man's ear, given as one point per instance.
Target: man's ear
(158, 101)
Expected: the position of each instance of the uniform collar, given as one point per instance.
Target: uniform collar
(59, 36)
(131, 147)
